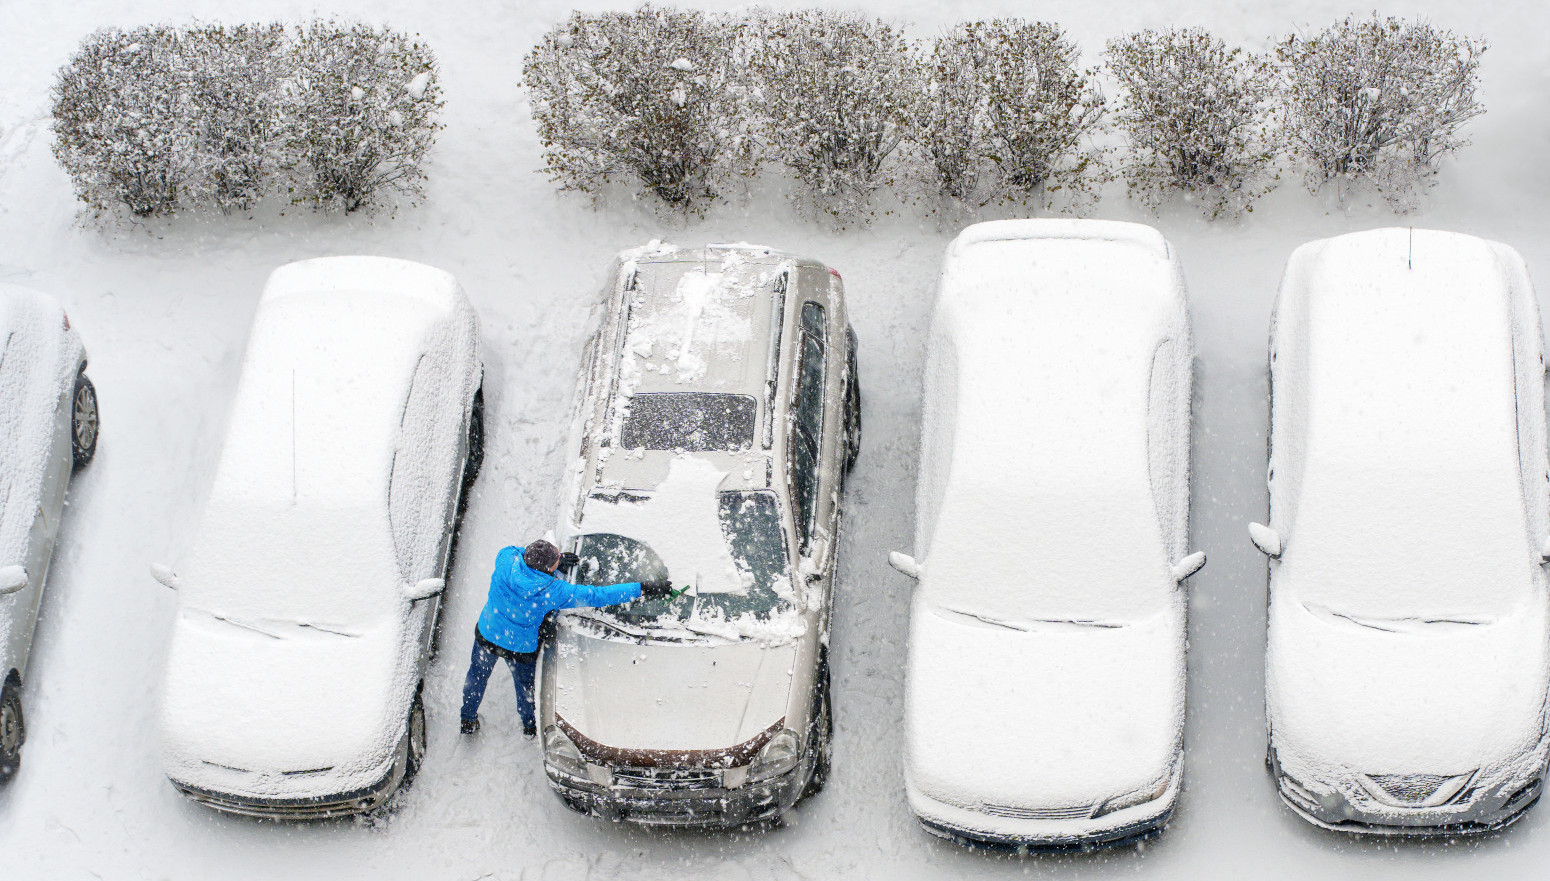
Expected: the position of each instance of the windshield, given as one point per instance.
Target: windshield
(689, 421)
(750, 529)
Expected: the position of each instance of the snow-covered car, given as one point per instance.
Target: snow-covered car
(307, 605)
(716, 415)
(1406, 660)
(48, 428)
(1044, 692)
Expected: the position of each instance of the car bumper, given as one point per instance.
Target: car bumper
(1078, 832)
(704, 808)
(318, 807)
(1332, 808)
(1119, 836)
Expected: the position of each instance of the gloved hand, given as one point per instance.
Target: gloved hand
(656, 588)
(568, 562)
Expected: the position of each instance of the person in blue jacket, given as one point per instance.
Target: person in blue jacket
(523, 589)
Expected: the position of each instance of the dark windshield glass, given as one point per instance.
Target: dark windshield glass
(692, 421)
(750, 523)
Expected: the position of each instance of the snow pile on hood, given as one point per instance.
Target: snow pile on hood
(38, 359)
(1054, 715)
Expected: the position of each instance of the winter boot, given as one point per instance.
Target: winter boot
(469, 726)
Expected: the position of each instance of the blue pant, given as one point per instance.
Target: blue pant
(522, 664)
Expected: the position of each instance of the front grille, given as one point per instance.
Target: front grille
(1416, 790)
(667, 778)
(1075, 812)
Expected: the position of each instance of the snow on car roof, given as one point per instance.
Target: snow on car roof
(699, 321)
(300, 494)
(1396, 350)
(38, 359)
(1049, 329)
(697, 330)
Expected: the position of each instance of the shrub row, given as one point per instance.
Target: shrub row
(160, 119)
(686, 104)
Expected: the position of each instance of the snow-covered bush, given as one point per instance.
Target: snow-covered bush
(121, 121)
(1197, 115)
(836, 90)
(160, 119)
(1039, 109)
(950, 123)
(361, 114)
(234, 77)
(654, 95)
(1378, 100)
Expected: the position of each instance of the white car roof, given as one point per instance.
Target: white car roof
(1053, 326)
(38, 359)
(1400, 423)
(300, 495)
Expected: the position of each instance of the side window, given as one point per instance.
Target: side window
(807, 421)
(1167, 441)
(412, 500)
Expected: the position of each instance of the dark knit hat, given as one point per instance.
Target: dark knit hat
(541, 555)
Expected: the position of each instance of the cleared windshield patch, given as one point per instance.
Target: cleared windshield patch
(689, 421)
(750, 528)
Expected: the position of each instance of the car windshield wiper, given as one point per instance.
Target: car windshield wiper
(1024, 626)
(1396, 623)
(244, 625)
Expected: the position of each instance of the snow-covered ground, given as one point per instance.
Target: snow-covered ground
(164, 310)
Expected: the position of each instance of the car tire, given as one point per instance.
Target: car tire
(13, 729)
(852, 408)
(85, 421)
(822, 733)
(414, 738)
(475, 460)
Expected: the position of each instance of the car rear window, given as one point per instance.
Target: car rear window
(690, 421)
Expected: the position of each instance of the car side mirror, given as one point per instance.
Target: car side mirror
(163, 573)
(425, 588)
(906, 564)
(1266, 539)
(1189, 565)
(12, 579)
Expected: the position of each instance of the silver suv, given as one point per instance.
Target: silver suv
(717, 414)
(48, 429)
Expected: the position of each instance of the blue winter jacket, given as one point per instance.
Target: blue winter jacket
(520, 597)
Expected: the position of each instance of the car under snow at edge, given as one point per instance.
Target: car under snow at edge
(1044, 692)
(717, 413)
(48, 428)
(1406, 659)
(307, 605)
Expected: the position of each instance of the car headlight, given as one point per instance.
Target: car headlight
(777, 757)
(1131, 799)
(561, 754)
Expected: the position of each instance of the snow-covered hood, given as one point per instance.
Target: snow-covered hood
(670, 696)
(1057, 715)
(1454, 697)
(287, 712)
